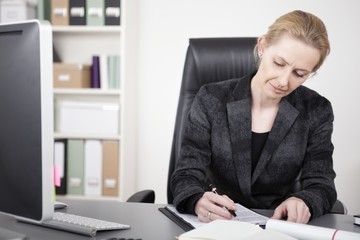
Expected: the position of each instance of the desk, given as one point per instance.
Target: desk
(146, 221)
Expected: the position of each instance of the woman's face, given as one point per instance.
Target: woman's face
(284, 66)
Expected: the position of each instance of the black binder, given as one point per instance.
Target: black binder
(176, 219)
(62, 189)
(77, 15)
(112, 12)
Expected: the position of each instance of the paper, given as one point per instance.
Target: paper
(246, 215)
(243, 214)
(232, 230)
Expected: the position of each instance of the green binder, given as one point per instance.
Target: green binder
(75, 167)
(95, 12)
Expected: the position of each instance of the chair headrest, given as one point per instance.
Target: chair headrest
(217, 59)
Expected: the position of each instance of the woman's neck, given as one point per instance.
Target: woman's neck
(259, 100)
(263, 110)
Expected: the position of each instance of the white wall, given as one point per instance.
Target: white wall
(164, 29)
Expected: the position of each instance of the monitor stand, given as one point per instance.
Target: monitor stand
(8, 234)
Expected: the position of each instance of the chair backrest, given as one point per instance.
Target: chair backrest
(208, 60)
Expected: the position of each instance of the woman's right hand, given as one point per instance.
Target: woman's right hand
(211, 206)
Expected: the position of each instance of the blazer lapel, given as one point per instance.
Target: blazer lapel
(239, 119)
(284, 120)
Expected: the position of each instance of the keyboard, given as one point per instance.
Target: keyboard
(80, 224)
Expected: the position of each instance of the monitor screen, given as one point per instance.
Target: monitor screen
(26, 120)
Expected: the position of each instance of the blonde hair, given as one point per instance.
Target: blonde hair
(303, 26)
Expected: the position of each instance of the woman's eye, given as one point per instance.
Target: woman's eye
(278, 64)
(300, 75)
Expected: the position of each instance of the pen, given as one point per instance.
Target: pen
(213, 189)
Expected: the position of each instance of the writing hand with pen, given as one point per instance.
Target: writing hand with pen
(213, 206)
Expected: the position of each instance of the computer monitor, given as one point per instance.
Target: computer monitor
(26, 121)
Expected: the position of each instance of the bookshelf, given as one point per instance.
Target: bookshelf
(77, 44)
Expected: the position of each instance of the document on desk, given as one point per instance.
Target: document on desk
(243, 214)
(232, 230)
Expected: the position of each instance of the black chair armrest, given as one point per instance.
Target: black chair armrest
(144, 196)
(339, 208)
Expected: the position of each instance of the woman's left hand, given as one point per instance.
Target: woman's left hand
(294, 209)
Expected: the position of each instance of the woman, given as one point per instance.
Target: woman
(254, 137)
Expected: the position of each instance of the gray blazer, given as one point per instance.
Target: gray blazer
(217, 148)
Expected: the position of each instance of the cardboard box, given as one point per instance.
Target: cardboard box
(85, 117)
(17, 10)
(71, 76)
(59, 12)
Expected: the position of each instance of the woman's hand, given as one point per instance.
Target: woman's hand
(212, 206)
(294, 209)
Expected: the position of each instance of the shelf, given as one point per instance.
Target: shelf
(86, 29)
(88, 91)
(83, 197)
(58, 135)
(77, 45)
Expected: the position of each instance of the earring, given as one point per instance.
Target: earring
(260, 55)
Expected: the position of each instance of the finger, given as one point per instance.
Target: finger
(224, 201)
(298, 211)
(224, 204)
(231, 204)
(292, 215)
(279, 212)
(203, 206)
(291, 211)
(303, 213)
(203, 218)
(207, 208)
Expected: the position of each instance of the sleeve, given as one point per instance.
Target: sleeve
(189, 177)
(318, 175)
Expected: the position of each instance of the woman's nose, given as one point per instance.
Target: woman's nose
(284, 78)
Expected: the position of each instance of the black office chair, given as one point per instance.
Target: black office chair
(212, 60)
(144, 196)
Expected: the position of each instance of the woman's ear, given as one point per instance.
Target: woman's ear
(261, 45)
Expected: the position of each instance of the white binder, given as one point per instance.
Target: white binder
(93, 167)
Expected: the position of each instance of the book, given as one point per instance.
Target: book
(274, 230)
(59, 12)
(309, 232)
(93, 168)
(114, 71)
(112, 12)
(95, 72)
(110, 168)
(357, 219)
(95, 12)
(77, 12)
(232, 230)
(75, 166)
(104, 72)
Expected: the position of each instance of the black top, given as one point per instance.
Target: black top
(257, 144)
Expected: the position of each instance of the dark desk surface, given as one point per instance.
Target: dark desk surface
(146, 221)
